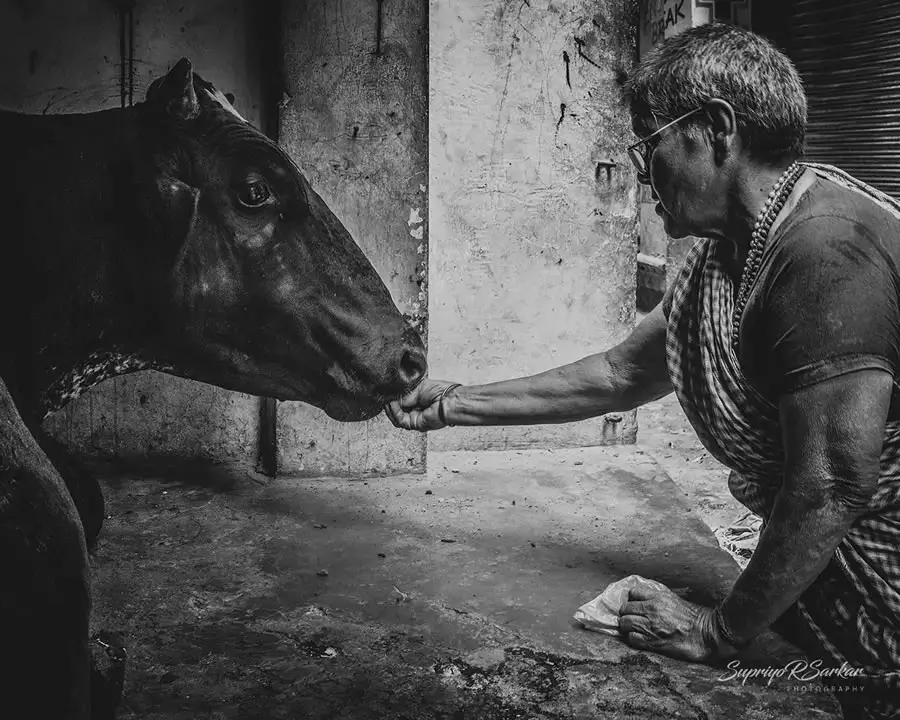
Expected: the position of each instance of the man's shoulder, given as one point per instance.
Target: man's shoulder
(828, 202)
(834, 222)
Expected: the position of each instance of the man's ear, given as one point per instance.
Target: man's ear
(178, 209)
(723, 124)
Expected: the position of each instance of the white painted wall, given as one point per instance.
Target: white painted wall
(532, 252)
(356, 122)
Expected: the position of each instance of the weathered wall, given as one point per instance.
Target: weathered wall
(532, 259)
(534, 264)
(64, 57)
(355, 120)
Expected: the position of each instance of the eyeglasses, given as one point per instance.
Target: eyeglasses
(641, 158)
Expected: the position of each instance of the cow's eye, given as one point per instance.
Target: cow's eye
(254, 194)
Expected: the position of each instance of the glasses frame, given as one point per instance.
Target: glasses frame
(640, 158)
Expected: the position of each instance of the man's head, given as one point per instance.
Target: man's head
(708, 104)
(725, 62)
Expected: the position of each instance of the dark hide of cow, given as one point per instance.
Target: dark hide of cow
(173, 236)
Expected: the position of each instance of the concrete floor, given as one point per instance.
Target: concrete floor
(667, 436)
(444, 596)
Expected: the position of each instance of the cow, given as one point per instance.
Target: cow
(175, 236)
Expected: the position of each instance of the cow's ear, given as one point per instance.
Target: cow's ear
(178, 211)
(175, 93)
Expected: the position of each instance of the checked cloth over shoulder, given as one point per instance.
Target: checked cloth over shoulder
(853, 608)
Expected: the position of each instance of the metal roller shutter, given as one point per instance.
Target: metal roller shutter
(849, 57)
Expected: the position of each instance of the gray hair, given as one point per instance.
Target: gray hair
(722, 61)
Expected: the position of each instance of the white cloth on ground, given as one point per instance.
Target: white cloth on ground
(602, 613)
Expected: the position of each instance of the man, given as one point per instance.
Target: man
(781, 339)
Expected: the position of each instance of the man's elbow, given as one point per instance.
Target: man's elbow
(633, 385)
(847, 494)
(853, 495)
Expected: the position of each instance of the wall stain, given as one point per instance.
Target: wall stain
(378, 26)
(500, 135)
(580, 43)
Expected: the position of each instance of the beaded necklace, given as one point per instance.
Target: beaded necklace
(774, 203)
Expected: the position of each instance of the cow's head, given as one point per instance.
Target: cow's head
(263, 290)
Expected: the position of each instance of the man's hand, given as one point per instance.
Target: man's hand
(662, 622)
(418, 409)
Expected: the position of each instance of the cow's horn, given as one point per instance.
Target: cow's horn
(175, 92)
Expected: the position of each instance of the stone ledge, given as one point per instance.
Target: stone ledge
(651, 281)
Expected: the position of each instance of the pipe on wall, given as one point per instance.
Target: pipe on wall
(266, 36)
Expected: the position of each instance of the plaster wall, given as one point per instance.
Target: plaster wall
(533, 204)
(355, 118)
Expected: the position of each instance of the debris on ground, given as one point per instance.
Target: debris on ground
(740, 538)
(404, 597)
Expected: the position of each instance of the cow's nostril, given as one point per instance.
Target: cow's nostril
(413, 367)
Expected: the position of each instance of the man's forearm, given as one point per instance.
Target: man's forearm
(625, 376)
(578, 391)
(796, 545)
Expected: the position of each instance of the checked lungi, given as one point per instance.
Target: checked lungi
(852, 611)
